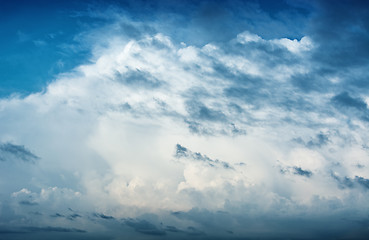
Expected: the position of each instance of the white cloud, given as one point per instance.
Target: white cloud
(111, 142)
(296, 46)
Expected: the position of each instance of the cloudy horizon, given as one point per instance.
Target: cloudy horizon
(184, 120)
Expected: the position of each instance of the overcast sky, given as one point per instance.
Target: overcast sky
(184, 119)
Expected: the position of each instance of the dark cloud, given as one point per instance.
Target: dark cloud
(301, 172)
(270, 227)
(103, 216)
(346, 182)
(199, 111)
(183, 152)
(138, 79)
(73, 216)
(360, 166)
(145, 227)
(28, 203)
(250, 96)
(318, 141)
(192, 231)
(25, 230)
(37, 213)
(362, 181)
(346, 101)
(351, 106)
(11, 231)
(198, 128)
(57, 215)
(309, 82)
(52, 229)
(9, 150)
(172, 229)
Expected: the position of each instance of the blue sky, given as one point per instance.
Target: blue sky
(184, 119)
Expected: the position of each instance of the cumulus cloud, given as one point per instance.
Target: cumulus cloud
(160, 137)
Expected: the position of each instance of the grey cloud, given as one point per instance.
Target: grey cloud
(192, 231)
(301, 172)
(345, 100)
(138, 79)
(346, 182)
(134, 31)
(351, 106)
(52, 229)
(296, 171)
(318, 141)
(183, 152)
(145, 227)
(6, 231)
(37, 213)
(103, 216)
(73, 216)
(198, 128)
(28, 203)
(199, 111)
(9, 150)
(148, 228)
(360, 166)
(24, 230)
(269, 227)
(215, 221)
(362, 181)
(310, 82)
(57, 215)
(172, 229)
(252, 96)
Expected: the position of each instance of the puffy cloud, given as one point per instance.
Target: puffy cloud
(160, 137)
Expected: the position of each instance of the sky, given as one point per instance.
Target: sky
(175, 119)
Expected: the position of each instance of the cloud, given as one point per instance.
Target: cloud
(145, 227)
(9, 151)
(238, 108)
(346, 101)
(182, 152)
(28, 203)
(138, 79)
(73, 216)
(52, 229)
(57, 215)
(299, 171)
(346, 182)
(100, 215)
(351, 106)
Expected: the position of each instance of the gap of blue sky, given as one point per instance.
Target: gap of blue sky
(41, 39)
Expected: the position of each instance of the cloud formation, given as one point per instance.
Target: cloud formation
(246, 135)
